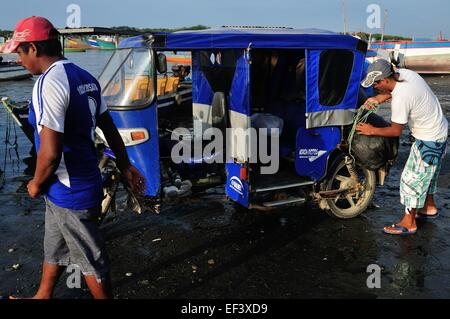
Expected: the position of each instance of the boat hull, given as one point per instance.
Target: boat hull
(74, 50)
(422, 57)
(105, 45)
(428, 64)
(13, 73)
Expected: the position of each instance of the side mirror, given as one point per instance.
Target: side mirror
(161, 63)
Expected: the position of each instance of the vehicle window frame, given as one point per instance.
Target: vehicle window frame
(148, 102)
(351, 69)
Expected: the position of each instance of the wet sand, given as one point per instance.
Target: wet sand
(205, 248)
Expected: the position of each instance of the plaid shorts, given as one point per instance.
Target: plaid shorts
(418, 179)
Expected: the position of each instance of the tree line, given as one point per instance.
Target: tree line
(149, 30)
(377, 37)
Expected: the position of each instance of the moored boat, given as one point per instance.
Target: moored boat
(68, 49)
(103, 43)
(13, 72)
(75, 44)
(426, 57)
(93, 43)
(106, 44)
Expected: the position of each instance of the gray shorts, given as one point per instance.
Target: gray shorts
(72, 237)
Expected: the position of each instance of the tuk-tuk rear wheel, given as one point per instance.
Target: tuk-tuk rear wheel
(349, 205)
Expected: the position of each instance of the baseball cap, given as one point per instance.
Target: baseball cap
(378, 70)
(29, 30)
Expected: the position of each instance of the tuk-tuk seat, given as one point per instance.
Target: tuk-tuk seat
(172, 85)
(161, 86)
(219, 120)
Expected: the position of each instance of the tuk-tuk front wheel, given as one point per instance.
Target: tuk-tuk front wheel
(352, 197)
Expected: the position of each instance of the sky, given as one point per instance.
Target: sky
(413, 18)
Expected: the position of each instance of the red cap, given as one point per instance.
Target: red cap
(29, 30)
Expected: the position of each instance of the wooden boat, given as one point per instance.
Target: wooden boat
(13, 72)
(19, 112)
(425, 57)
(70, 50)
(103, 43)
(75, 44)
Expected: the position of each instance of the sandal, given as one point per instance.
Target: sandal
(420, 215)
(398, 230)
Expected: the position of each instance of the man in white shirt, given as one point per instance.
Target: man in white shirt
(413, 103)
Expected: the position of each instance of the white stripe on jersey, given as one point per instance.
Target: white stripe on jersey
(58, 71)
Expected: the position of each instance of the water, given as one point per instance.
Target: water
(16, 172)
(91, 60)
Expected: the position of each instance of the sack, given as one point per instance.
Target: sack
(431, 152)
(373, 152)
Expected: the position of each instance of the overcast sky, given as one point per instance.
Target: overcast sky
(415, 18)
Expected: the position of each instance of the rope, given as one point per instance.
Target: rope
(359, 118)
(10, 147)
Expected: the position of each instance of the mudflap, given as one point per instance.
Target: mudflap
(236, 188)
(314, 147)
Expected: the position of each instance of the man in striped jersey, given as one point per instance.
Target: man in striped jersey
(66, 107)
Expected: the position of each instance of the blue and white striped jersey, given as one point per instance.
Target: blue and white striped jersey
(67, 99)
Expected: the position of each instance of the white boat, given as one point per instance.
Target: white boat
(426, 57)
(13, 72)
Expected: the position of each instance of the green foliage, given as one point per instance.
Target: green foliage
(5, 33)
(377, 37)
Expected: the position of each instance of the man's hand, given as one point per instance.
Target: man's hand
(371, 103)
(33, 190)
(134, 179)
(365, 129)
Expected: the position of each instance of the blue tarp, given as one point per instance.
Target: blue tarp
(242, 38)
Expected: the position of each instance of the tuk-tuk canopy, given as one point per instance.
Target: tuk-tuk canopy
(242, 38)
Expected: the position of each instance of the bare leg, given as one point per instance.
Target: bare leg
(409, 220)
(100, 290)
(50, 275)
(430, 207)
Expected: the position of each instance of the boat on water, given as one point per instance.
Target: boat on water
(106, 44)
(425, 57)
(70, 50)
(10, 71)
(93, 43)
(75, 44)
(101, 42)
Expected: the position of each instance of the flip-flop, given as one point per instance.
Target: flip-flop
(420, 216)
(398, 230)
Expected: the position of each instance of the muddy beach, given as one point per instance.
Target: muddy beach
(206, 248)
